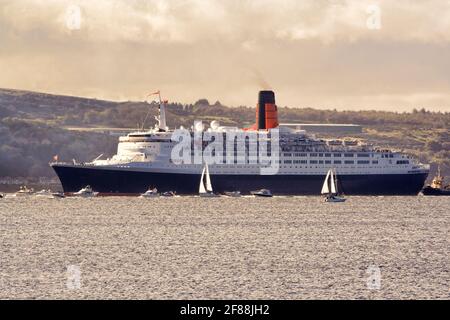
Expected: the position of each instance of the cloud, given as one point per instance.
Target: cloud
(313, 52)
(199, 20)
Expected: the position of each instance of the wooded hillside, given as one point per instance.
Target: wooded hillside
(33, 127)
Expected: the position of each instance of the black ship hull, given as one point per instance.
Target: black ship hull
(124, 182)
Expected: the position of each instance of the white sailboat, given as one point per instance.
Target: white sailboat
(205, 189)
(330, 188)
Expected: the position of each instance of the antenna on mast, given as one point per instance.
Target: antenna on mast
(161, 118)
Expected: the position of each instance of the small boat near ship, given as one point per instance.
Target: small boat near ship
(48, 194)
(262, 193)
(44, 193)
(205, 189)
(150, 193)
(24, 191)
(437, 187)
(86, 192)
(169, 194)
(232, 194)
(58, 195)
(330, 188)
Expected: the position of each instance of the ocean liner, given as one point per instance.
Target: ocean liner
(298, 162)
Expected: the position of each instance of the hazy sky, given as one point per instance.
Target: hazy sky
(344, 54)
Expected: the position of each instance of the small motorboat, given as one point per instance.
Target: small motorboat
(332, 198)
(24, 191)
(233, 194)
(330, 188)
(150, 193)
(58, 195)
(2, 195)
(262, 193)
(205, 189)
(168, 194)
(86, 192)
(44, 193)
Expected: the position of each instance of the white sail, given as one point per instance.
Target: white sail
(208, 180)
(201, 188)
(325, 189)
(333, 184)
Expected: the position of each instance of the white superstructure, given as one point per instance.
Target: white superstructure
(298, 154)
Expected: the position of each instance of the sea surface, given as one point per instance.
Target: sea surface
(225, 248)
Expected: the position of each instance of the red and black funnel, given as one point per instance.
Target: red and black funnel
(266, 111)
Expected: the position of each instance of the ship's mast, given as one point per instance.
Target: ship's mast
(162, 114)
(161, 117)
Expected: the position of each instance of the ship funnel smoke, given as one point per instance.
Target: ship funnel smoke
(260, 80)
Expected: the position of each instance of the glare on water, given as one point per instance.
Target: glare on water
(196, 248)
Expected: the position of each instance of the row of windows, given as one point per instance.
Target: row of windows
(320, 155)
(328, 162)
(322, 161)
(329, 155)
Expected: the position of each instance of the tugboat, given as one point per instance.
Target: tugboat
(436, 188)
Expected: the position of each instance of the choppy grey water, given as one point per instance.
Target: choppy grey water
(192, 248)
